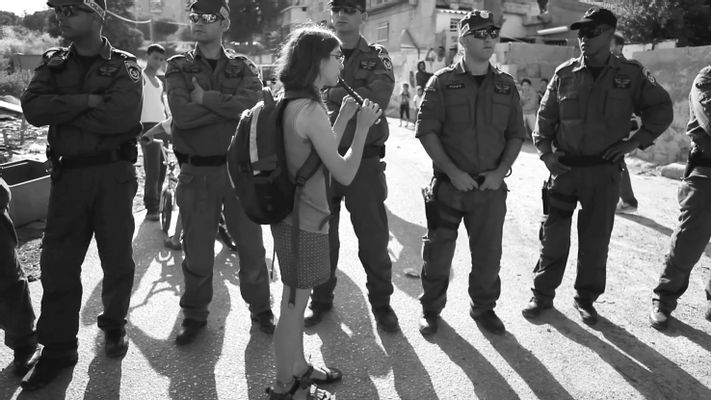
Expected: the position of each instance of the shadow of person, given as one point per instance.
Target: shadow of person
(348, 343)
(409, 236)
(191, 368)
(57, 390)
(679, 328)
(487, 380)
(650, 373)
(104, 376)
(528, 367)
(652, 224)
(259, 365)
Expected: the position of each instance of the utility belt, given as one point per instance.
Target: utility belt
(696, 159)
(126, 152)
(369, 151)
(583, 161)
(200, 161)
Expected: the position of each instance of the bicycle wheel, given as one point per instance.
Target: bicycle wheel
(166, 210)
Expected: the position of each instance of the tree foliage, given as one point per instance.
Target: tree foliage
(38, 20)
(251, 17)
(652, 21)
(122, 35)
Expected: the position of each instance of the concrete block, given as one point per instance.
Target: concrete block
(673, 170)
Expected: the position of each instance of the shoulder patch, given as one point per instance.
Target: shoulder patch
(566, 64)
(123, 54)
(382, 55)
(133, 70)
(703, 79)
(177, 58)
(55, 57)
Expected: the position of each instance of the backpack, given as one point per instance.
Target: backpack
(256, 161)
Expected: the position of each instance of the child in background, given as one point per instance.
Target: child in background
(405, 104)
(417, 100)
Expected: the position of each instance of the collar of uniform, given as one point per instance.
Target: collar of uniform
(362, 45)
(461, 69)
(104, 51)
(612, 62)
(197, 53)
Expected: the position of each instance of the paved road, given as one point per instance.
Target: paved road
(556, 358)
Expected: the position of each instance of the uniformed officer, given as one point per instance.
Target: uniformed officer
(471, 125)
(367, 69)
(90, 96)
(694, 230)
(208, 88)
(17, 317)
(582, 136)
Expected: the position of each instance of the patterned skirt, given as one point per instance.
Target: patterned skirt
(313, 266)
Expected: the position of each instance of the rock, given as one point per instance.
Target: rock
(673, 170)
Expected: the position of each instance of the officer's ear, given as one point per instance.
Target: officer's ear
(363, 17)
(225, 23)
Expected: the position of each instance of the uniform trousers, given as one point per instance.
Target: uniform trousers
(596, 188)
(689, 240)
(202, 195)
(364, 199)
(483, 213)
(84, 202)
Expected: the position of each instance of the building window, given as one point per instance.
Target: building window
(383, 32)
(454, 24)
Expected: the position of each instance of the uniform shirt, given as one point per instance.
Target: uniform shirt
(699, 126)
(58, 96)
(370, 72)
(473, 122)
(232, 87)
(582, 116)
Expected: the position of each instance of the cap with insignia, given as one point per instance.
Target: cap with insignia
(97, 6)
(360, 4)
(217, 7)
(476, 19)
(595, 16)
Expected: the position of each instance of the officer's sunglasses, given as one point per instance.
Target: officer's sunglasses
(70, 10)
(484, 32)
(197, 18)
(346, 10)
(592, 32)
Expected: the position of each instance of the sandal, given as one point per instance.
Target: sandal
(286, 395)
(313, 393)
(332, 375)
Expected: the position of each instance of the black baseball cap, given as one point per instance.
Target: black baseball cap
(476, 19)
(595, 16)
(359, 4)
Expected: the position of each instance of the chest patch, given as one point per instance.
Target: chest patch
(621, 81)
(108, 70)
(134, 71)
(192, 69)
(502, 88)
(368, 65)
(233, 70)
(455, 85)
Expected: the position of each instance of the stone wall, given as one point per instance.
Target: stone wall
(675, 70)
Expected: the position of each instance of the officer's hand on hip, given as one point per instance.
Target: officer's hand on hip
(617, 151)
(492, 179)
(462, 181)
(553, 164)
(197, 93)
